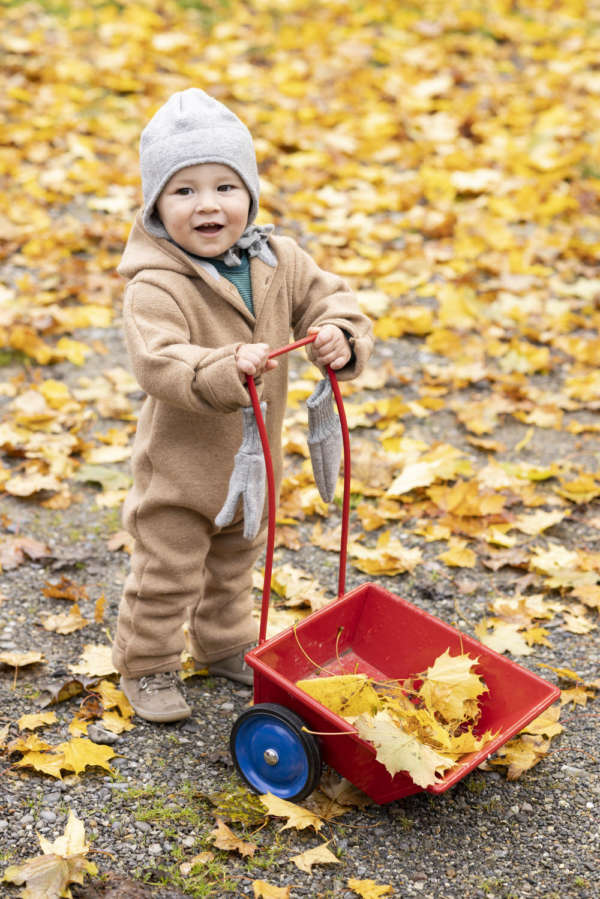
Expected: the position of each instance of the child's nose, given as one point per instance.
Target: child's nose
(207, 201)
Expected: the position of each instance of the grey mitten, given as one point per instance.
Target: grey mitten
(324, 439)
(247, 480)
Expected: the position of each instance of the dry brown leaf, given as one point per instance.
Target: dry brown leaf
(224, 838)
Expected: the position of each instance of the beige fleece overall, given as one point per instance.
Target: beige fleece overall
(183, 326)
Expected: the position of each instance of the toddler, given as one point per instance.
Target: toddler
(208, 295)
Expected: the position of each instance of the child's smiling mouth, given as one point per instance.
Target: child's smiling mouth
(209, 228)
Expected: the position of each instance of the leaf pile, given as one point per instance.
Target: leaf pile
(422, 725)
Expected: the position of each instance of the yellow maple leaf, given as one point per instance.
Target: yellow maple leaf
(459, 555)
(576, 695)
(520, 754)
(112, 696)
(96, 661)
(389, 556)
(65, 622)
(464, 499)
(39, 719)
(264, 890)
(449, 683)
(546, 723)
(398, 750)
(62, 863)
(504, 637)
(320, 855)
(115, 723)
(343, 694)
(578, 624)
(80, 753)
(368, 889)
(537, 522)
(47, 762)
(21, 659)
(581, 490)
(297, 816)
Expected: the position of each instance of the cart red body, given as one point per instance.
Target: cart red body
(386, 637)
(373, 632)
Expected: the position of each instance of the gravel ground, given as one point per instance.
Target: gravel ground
(486, 837)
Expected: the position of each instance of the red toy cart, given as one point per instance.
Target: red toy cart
(278, 744)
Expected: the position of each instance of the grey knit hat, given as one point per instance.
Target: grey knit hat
(189, 129)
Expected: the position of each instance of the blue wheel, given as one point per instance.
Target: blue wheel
(273, 753)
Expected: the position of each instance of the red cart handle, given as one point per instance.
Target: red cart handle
(264, 613)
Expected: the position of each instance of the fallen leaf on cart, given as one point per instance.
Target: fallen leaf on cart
(368, 889)
(264, 890)
(450, 685)
(62, 863)
(343, 694)
(320, 855)
(401, 751)
(224, 838)
(297, 816)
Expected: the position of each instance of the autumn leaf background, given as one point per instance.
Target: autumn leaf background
(444, 158)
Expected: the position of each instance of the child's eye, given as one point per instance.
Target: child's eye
(183, 191)
(225, 188)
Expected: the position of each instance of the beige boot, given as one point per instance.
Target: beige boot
(234, 667)
(156, 697)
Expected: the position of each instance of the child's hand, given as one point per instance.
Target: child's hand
(331, 346)
(253, 359)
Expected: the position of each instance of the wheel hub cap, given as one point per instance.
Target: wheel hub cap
(271, 756)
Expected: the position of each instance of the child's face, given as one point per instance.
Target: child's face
(204, 208)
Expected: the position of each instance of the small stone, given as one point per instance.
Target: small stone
(155, 849)
(227, 706)
(188, 842)
(48, 816)
(572, 771)
(98, 734)
(143, 826)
